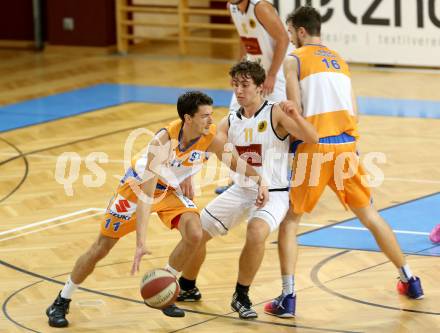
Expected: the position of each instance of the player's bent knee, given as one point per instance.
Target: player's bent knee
(191, 229)
(369, 217)
(257, 232)
(194, 236)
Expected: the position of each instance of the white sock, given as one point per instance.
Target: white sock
(405, 273)
(69, 289)
(288, 284)
(172, 270)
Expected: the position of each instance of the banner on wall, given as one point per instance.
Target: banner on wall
(400, 32)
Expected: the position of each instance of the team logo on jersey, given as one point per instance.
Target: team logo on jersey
(252, 23)
(195, 156)
(262, 126)
(122, 208)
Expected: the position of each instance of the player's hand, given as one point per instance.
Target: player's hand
(139, 253)
(262, 196)
(289, 108)
(268, 85)
(187, 188)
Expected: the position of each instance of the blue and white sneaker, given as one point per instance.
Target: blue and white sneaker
(283, 306)
(243, 305)
(412, 288)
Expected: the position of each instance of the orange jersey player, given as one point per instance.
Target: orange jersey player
(152, 185)
(318, 83)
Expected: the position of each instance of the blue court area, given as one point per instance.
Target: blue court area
(92, 98)
(411, 221)
(101, 96)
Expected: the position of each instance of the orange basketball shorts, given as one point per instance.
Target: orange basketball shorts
(337, 165)
(120, 217)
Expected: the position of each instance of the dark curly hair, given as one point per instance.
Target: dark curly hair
(249, 69)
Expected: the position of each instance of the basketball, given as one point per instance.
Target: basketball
(159, 288)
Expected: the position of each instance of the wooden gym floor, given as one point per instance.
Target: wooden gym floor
(339, 289)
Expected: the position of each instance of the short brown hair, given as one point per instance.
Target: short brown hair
(306, 17)
(189, 102)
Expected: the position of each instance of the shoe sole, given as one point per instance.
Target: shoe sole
(415, 298)
(54, 325)
(244, 318)
(194, 298)
(172, 315)
(58, 326)
(284, 315)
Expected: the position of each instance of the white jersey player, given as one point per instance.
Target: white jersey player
(259, 131)
(263, 38)
(257, 142)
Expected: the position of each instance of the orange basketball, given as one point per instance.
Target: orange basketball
(159, 288)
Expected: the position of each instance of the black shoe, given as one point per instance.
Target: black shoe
(173, 311)
(57, 312)
(192, 295)
(242, 304)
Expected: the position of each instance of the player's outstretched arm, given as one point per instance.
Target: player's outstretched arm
(286, 114)
(157, 155)
(232, 160)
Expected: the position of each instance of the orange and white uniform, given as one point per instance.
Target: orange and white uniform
(326, 98)
(120, 218)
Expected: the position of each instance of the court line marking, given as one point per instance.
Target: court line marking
(314, 275)
(397, 231)
(26, 249)
(51, 226)
(56, 218)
